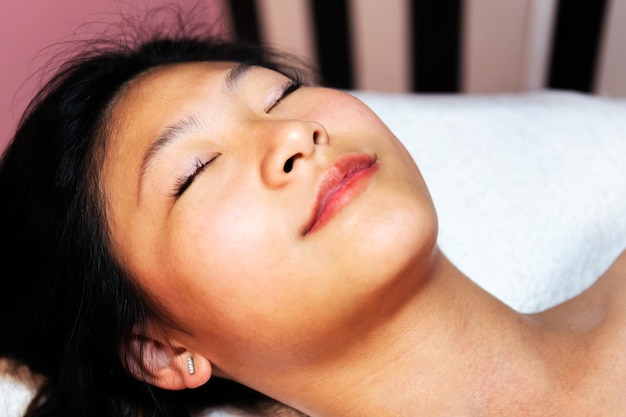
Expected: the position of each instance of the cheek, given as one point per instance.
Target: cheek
(224, 245)
(350, 112)
(232, 282)
(233, 259)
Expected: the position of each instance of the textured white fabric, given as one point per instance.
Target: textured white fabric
(530, 190)
(15, 391)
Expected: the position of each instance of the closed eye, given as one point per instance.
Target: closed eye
(288, 87)
(183, 182)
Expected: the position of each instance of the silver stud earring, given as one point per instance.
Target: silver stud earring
(190, 366)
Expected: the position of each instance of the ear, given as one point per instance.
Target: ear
(159, 361)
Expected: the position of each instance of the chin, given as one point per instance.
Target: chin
(395, 235)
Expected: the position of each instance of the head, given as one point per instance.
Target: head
(77, 308)
(227, 204)
(165, 201)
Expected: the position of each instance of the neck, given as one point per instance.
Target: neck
(451, 349)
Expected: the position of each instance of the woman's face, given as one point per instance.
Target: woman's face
(269, 223)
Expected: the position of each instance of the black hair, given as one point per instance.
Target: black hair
(66, 305)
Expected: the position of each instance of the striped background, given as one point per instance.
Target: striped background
(434, 46)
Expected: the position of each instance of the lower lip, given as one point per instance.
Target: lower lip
(342, 196)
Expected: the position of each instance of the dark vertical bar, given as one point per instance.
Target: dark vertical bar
(436, 29)
(575, 44)
(332, 35)
(245, 20)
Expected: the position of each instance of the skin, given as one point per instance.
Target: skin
(363, 316)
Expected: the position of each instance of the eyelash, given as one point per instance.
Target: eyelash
(289, 87)
(183, 182)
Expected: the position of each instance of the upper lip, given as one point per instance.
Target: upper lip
(342, 170)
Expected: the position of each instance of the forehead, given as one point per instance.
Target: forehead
(172, 79)
(159, 94)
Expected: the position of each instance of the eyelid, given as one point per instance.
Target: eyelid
(184, 181)
(287, 88)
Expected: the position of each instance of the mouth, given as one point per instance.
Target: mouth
(340, 184)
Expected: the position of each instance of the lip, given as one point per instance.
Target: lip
(340, 184)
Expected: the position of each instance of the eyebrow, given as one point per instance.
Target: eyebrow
(237, 73)
(185, 126)
(169, 135)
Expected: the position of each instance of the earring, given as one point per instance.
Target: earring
(190, 366)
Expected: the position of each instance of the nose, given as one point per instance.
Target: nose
(288, 144)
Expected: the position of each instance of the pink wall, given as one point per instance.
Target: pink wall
(29, 26)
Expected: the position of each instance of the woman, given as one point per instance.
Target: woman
(192, 218)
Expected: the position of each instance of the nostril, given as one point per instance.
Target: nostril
(289, 163)
(316, 136)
